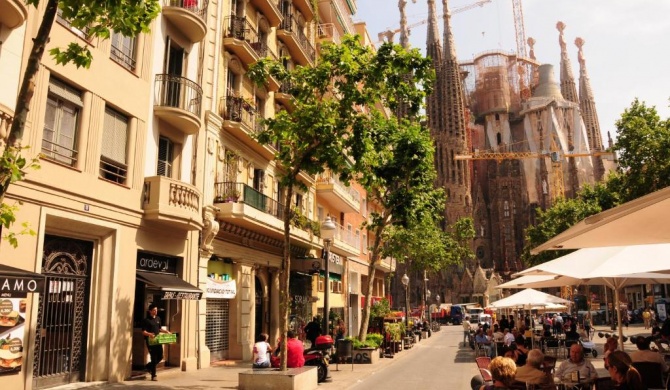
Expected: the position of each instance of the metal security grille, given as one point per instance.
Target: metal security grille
(217, 325)
(63, 312)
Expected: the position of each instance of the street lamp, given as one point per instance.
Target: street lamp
(405, 282)
(327, 233)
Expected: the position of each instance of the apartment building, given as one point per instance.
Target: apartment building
(115, 205)
(152, 188)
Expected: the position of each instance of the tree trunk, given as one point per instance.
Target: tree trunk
(27, 89)
(363, 332)
(284, 279)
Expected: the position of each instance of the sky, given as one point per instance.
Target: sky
(627, 47)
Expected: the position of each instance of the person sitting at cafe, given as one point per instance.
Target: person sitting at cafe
(521, 350)
(295, 357)
(644, 354)
(508, 338)
(623, 373)
(532, 372)
(503, 371)
(577, 364)
(483, 342)
(497, 334)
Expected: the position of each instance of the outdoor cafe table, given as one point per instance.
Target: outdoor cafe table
(566, 384)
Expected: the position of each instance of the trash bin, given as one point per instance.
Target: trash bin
(345, 350)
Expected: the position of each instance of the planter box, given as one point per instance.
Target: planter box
(365, 356)
(303, 378)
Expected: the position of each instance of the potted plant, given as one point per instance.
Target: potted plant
(231, 195)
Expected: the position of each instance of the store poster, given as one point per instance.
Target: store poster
(12, 329)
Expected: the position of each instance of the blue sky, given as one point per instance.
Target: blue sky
(627, 46)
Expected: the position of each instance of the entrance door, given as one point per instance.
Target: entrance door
(259, 308)
(62, 317)
(174, 70)
(216, 331)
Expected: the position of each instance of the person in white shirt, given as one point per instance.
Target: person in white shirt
(261, 350)
(644, 354)
(577, 363)
(466, 330)
(508, 338)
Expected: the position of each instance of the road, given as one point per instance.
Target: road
(436, 363)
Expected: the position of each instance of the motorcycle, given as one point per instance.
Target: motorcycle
(316, 356)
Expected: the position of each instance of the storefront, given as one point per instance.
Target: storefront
(221, 288)
(157, 282)
(300, 311)
(15, 285)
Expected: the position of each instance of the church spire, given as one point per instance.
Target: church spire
(568, 88)
(587, 104)
(404, 30)
(449, 128)
(434, 51)
(449, 46)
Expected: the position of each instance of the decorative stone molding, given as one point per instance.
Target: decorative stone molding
(209, 230)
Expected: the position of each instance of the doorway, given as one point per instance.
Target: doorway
(63, 312)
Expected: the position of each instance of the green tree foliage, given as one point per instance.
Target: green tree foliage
(335, 119)
(642, 146)
(563, 214)
(128, 17)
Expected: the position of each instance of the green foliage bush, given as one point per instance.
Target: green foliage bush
(373, 340)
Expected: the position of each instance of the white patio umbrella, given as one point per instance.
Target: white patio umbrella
(638, 222)
(615, 267)
(528, 298)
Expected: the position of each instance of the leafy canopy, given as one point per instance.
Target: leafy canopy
(99, 18)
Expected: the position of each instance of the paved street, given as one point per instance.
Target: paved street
(439, 362)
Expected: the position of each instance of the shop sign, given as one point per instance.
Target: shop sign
(181, 295)
(156, 263)
(336, 263)
(12, 287)
(220, 289)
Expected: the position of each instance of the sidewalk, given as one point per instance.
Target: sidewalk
(225, 375)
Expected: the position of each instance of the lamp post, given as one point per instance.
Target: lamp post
(405, 282)
(327, 233)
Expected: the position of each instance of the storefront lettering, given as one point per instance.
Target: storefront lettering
(18, 285)
(153, 264)
(181, 295)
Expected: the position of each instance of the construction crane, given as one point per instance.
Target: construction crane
(387, 36)
(555, 154)
(519, 29)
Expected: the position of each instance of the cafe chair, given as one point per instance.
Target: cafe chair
(483, 361)
(549, 364)
(552, 346)
(651, 373)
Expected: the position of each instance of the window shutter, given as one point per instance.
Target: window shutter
(115, 136)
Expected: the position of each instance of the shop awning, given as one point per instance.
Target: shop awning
(16, 283)
(171, 285)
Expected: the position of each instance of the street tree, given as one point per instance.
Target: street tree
(128, 17)
(643, 139)
(563, 214)
(334, 107)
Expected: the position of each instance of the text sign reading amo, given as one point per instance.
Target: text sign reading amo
(19, 287)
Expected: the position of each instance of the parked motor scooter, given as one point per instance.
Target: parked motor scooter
(316, 356)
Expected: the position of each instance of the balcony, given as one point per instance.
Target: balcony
(337, 11)
(387, 264)
(13, 13)
(243, 206)
(239, 38)
(328, 32)
(284, 95)
(178, 101)
(332, 190)
(299, 46)
(188, 16)
(172, 202)
(345, 242)
(305, 8)
(269, 8)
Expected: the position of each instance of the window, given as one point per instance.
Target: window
(321, 282)
(114, 155)
(165, 157)
(506, 208)
(124, 51)
(365, 243)
(298, 201)
(81, 33)
(61, 121)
